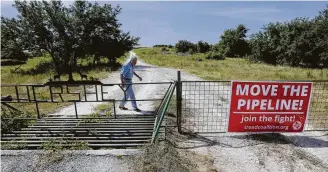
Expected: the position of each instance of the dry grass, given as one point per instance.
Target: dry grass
(164, 156)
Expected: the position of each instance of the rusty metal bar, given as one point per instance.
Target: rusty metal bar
(85, 93)
(28, 93)
(36, 103)
(75, 110)
(17, 94)
(51, 96)
(114, 102)
(96, 92)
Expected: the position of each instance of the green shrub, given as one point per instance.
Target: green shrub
(163, 49)
(184, 46)
(191, 51)
(10, 120)
(215, 56)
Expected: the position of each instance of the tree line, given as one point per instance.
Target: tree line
(164, 46)
(185, 46)
(301, 42)
(79, 31)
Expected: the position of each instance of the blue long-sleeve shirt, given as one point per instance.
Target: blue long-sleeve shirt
(127, 71)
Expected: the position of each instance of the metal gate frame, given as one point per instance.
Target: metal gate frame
(30, 92)
(145, 127)
(318, 106)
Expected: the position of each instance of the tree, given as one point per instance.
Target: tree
(320, 31)
(299, 42)
(70, 33)
(161, 45)
(184, 46)
(203, 47)
(233, 43)
(12, 46)
(261, 51)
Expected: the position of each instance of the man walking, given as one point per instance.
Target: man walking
(127, 73)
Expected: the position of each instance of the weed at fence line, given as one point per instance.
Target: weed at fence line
(64, 144)
(13, 145)
(161, 157)
(89, 118)
(52, 145)
(54, 149)
(164, 156)
(79, 145)
(12, 121)
(102, 110)
(105, 109)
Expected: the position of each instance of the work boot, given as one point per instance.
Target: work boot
(137, 110)
(123, 108)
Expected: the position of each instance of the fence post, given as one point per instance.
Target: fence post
(36, 102)
(75, 110)
(178, 98)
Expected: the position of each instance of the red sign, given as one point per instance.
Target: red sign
(269, 106)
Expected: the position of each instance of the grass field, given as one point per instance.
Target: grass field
(228, 69)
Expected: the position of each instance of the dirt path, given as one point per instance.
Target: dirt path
(231, 152)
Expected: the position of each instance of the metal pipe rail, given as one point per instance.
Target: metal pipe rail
(27, 93)
(161, 112)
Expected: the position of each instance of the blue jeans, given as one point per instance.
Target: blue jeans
(128, 94)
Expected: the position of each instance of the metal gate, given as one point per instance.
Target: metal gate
(35, 127)
(203, 106)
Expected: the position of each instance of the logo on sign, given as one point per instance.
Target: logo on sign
(297, 125)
